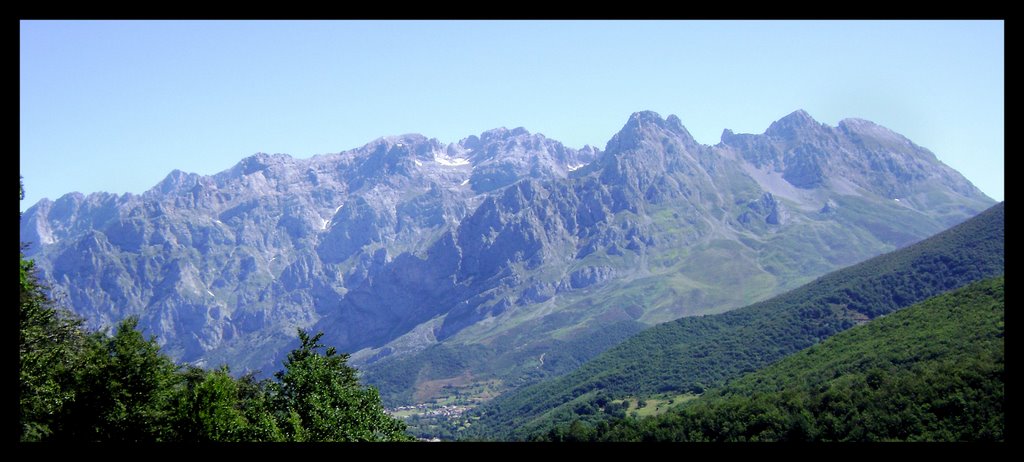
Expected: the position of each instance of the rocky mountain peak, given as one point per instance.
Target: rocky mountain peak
(69, 199)
(493, 134)
(649, 126)
(638, 120)
(407, 146)
(859, 125)
(470, 142)
(795, 124)
(259, 162)
(408, 139)
(727, 136)
(502, 134)
(176, 181)
(675, 124)
(644, 116)
(860, 128)
(500, 157)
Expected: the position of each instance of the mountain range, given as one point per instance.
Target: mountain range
(499, 259)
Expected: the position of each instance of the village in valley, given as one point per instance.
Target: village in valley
(443, 416)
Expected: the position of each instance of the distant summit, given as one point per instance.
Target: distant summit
(797, 123)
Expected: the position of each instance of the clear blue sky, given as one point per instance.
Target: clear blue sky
(116, 105)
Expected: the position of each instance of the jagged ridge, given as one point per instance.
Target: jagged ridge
(508, 239)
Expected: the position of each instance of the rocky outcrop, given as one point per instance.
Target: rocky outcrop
(590, 275)
(766, 209)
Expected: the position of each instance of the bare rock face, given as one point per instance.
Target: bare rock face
(856, 156)
(590, 275)
(830, 208)
(766, 209)
(505, 237)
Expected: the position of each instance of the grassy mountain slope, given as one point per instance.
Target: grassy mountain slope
(931, 372)
(692, 353)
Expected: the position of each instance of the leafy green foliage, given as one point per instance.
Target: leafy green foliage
(49, 343)
(690, 354)
(124, 387)
(932, 372)
(320, 397)
(213, 406)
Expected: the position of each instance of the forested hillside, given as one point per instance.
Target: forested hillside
(931, 372)
(691, 354)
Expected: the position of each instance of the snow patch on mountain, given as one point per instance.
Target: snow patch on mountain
(450, 161)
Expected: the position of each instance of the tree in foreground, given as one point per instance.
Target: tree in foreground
(49, 343)
(123, 387)
(318, 398)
